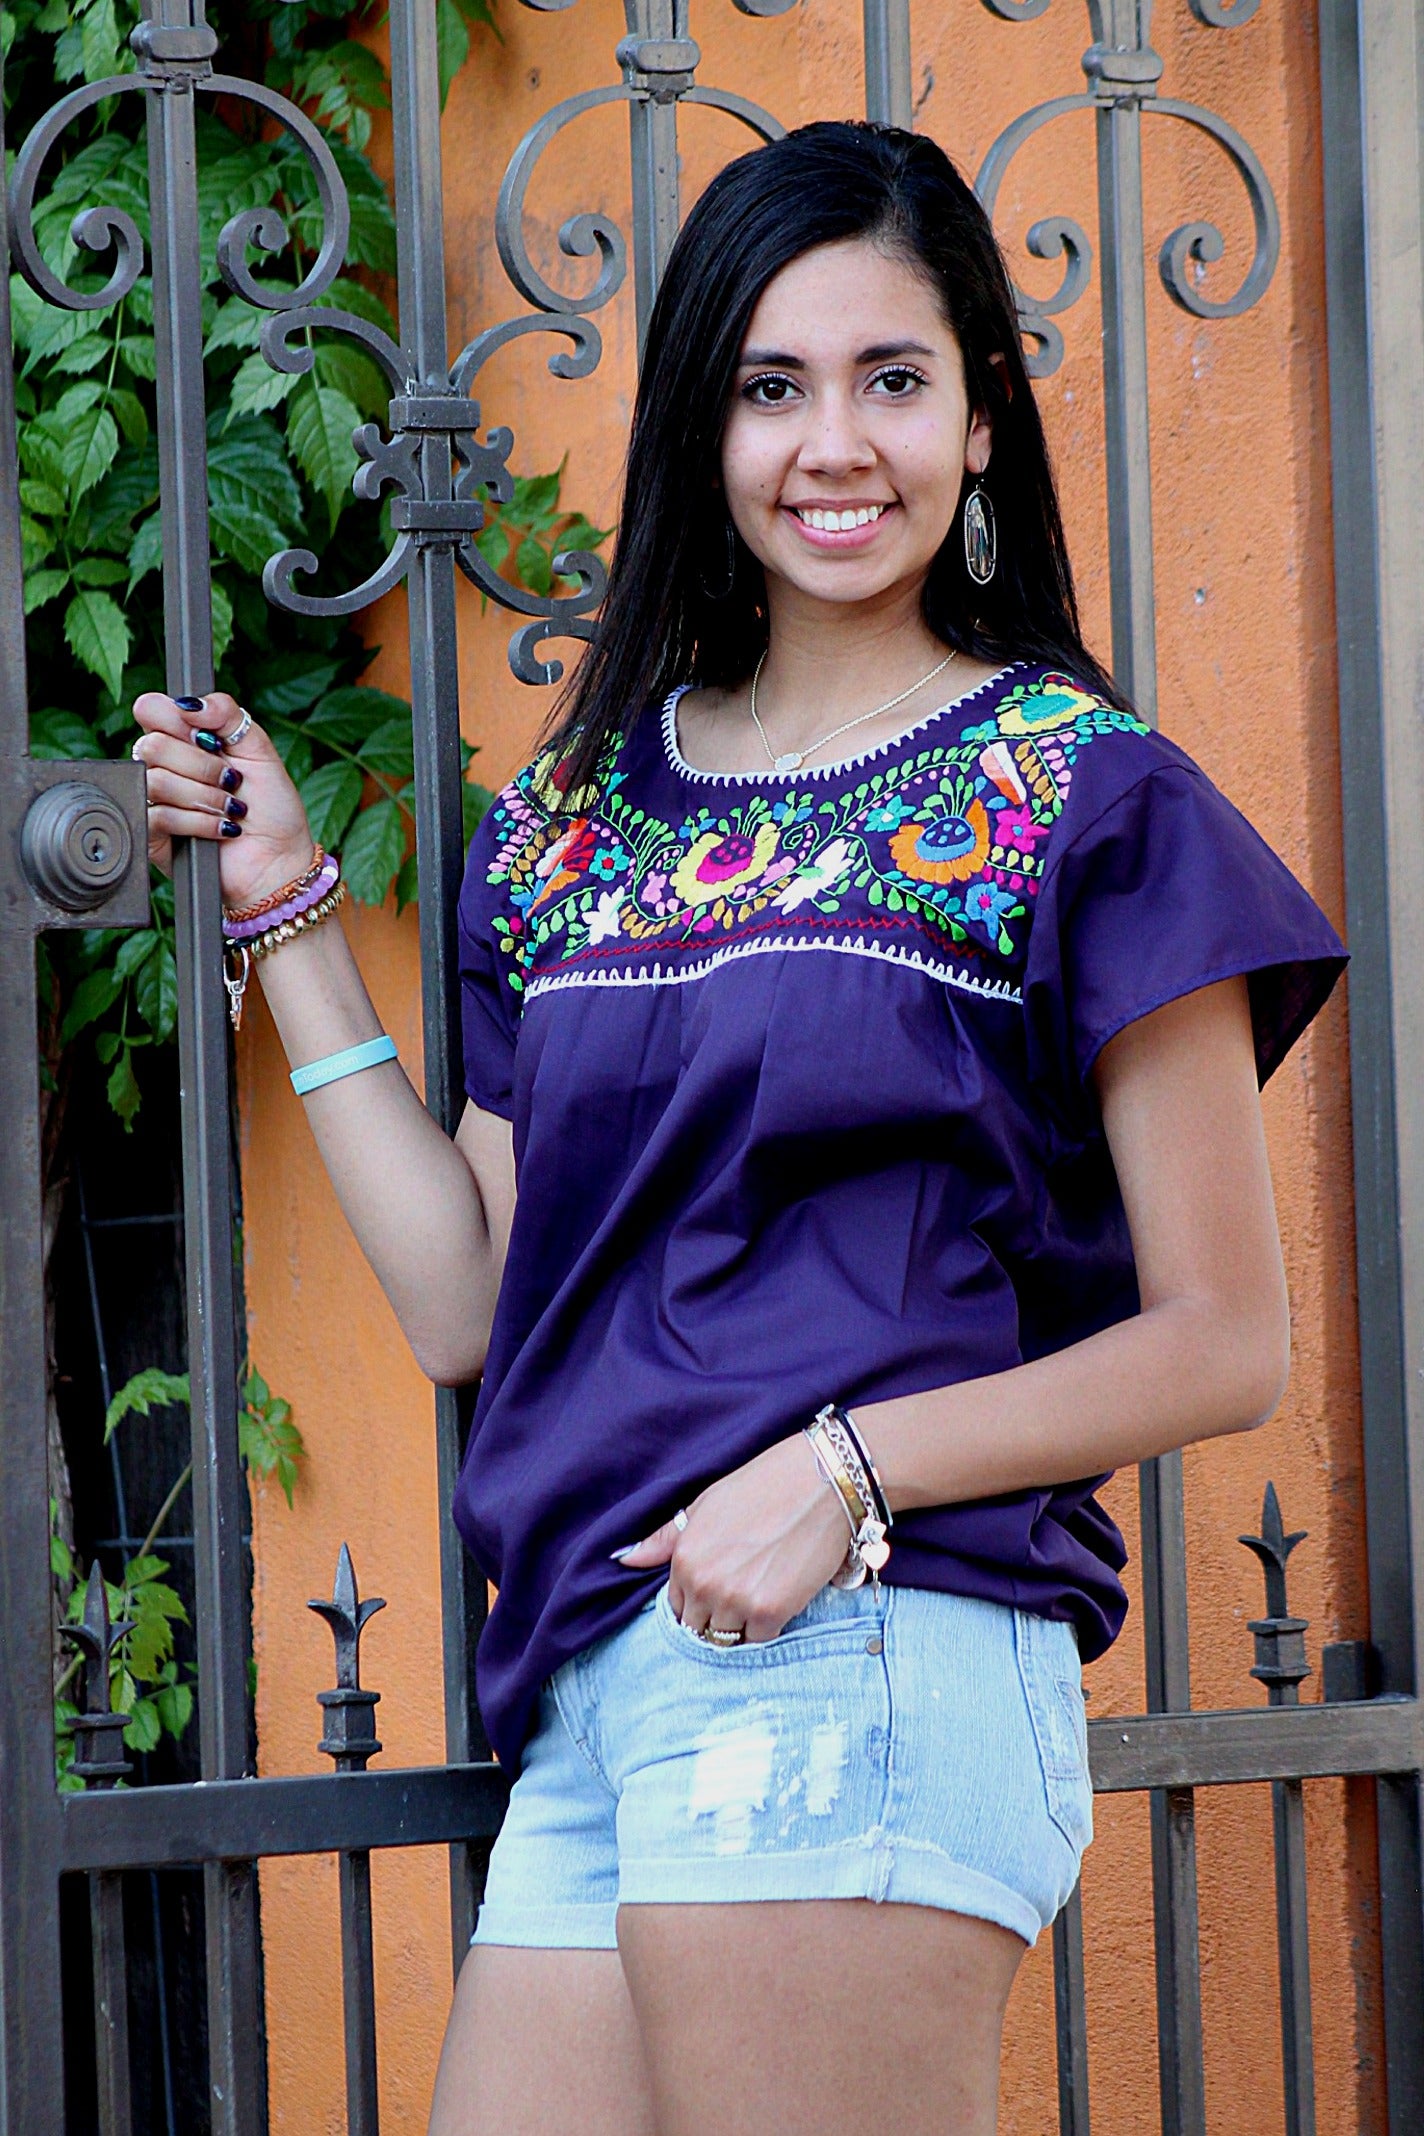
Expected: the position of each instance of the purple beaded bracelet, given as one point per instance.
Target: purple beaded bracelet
(302, 901)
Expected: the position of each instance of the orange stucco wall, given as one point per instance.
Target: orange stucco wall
(1241, 475)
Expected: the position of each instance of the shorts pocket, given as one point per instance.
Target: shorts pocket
(819, 1628)
(1053, 1690)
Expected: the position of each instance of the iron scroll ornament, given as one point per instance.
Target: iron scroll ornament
(441, 499)
(1124, 70)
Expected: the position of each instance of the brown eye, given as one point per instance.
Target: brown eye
(899, 382)
(769, 392)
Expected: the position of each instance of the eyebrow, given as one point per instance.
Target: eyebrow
(881, 352)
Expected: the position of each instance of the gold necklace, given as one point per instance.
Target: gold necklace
(793, 759)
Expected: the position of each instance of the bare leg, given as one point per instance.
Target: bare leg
(541, 2043)
(819, 2017)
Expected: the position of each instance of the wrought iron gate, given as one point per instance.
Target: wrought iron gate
(71, 855)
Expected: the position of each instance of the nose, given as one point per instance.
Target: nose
(835, 441)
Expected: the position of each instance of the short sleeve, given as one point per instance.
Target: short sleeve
(1167, 889)
(490, 974)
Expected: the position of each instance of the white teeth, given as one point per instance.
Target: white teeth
(838, 522)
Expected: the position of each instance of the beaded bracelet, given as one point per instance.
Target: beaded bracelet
(240, 914)
(240, 953)
(289, 903)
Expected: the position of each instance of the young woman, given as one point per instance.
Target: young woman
(864, 1015)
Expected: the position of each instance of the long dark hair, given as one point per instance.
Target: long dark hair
(818, 186)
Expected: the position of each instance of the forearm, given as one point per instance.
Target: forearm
(1182, 1370)
(406, 1190)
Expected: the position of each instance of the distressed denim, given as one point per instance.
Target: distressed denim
(915, 1747)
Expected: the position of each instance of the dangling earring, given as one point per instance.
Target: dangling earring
(723, 593)
(981, 536)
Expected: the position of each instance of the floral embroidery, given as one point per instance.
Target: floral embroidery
(932, 858)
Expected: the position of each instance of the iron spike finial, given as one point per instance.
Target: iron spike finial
(1280, 1638)
(1273, 1546)
(349, 1736)
(98, 1729)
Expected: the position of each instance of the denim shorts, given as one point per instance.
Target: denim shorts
(916, 1747)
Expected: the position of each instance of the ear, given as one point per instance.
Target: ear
(979, 443)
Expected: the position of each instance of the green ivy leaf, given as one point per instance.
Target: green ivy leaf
(390, 749)
(291, 683)
(331, 796)
(222, 620)
(407, 883)
(57, 732)
(347, 717)
(42, 586)
(90, 446)
(351, 371)
(452, 44)
(373, 852)
(144, 1728)
(256, 387)
(98, 571)
(92, 997)
(320, 422)
(146, 549)
(156, 992)
(149, 1389)
(99, 637)
(122, 1088)
(134, 950)
(129, 412)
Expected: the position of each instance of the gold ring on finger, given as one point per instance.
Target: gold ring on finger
(723, 1635)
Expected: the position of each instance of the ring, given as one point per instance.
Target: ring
(239, 730)
(679, 1520)
(722, 1635)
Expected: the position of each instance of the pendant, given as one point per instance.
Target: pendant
(875, 1551)
(792, 761)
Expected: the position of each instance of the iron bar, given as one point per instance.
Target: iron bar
(31, 2011)
(181, 1826)
(236, 2061)
(99, 1762)
(1281, 1665)
(1070, 2012)
(1370, 73)
(889, 88)
(111, 2013)
(1174, 1868)
(350, 1740)
(440, 841)
(658, 59)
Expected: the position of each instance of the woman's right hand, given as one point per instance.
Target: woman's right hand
(241, 795)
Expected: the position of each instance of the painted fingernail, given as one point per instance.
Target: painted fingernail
(204, 739)
(231, 779)
(625, 1552)
(235, 808)
(190, 704)
(230, 830)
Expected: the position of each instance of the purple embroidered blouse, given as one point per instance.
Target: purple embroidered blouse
(799, 1071)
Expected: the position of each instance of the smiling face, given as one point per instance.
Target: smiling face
(850, 428)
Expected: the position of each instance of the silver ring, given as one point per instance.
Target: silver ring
(722, 1635)
(679, 1520)
(239, 730)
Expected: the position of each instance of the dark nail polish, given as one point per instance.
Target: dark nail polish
(235, 808)
(230, 780)
(190, 704)
(204, 740)
(230, 830)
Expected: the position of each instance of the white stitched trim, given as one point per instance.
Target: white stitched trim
(678, 762)
(679, 974)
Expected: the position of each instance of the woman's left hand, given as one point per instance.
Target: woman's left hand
(756, 1547)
